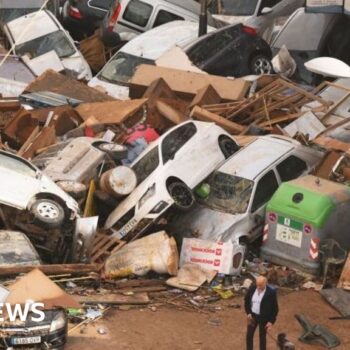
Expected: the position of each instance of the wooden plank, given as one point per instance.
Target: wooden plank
(59, 269)
(115, 299)
(170, 113)
(186, 83)
(344, 280)
(206, 95)
(110, 112)
(282, 119)
(30, 139)
(201, 114)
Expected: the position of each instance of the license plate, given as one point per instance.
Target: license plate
(127, 228)
(289, 235)
(25, 341)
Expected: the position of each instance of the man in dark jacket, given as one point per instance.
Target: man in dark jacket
(262, 308)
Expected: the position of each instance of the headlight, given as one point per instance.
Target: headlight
(58, 322)
(148, 194)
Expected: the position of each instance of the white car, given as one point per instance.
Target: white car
(232, 200)
(144, 49)
(167, 171)
(45, 43)
(25, 187)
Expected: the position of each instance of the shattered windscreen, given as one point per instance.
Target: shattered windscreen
(56, 41)
(238, 7)
(228, 193)
(121, 67)
(146, 165)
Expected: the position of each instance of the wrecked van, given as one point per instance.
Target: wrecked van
(232, 200)
(167, 171)
(77, 160)
(46, 36)
(25, 187)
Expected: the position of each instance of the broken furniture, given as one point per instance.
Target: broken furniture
(316, 334)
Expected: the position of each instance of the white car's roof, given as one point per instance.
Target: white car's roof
(153, 43)
(40, 26)
(257, 156)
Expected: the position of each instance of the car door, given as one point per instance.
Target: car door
(291, 168)
(18, 181)
(265, 187)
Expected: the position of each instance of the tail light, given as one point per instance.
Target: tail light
(249, 30)
(114, 17)
(74, 12)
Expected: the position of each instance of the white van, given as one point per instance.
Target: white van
(129, 18)
(144, 49)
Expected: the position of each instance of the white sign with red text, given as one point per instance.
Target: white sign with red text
(215, 256)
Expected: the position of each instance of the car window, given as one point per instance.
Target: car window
(266, 187)
(16, 165)
(314, 24)
(212, 43)
(56, 41)
(122, 67)
(268, 3)
(337, 43)
(165, 17)
(138, 12)
(176, 139)
(146, 165)
(291, 168)
(237, 7)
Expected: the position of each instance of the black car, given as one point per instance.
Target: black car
(235, 50)
(83, 17)
(51, 333)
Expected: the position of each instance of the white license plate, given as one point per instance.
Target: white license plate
(127, 228)
(27, 340)
(289, 235)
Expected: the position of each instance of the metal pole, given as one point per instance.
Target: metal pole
(203, 19)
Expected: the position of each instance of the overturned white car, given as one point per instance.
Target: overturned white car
(43, 43)
(167, 171)
(25, 187)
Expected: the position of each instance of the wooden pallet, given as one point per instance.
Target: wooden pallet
(103, 247)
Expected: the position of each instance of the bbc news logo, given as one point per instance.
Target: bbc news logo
(19, 311)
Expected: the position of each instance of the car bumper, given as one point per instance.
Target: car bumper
(53, 340)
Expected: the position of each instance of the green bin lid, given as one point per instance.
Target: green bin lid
(308, 199)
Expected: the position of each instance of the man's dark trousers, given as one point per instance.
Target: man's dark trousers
(252, 325)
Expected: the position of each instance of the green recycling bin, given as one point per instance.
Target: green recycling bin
(301, 214)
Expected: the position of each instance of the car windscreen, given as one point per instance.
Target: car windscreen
(238, 7)
(121, 67)
(56, 41)
(13, 164)
(228, 193)
(15, 249)
(146, 165)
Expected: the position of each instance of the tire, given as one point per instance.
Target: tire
(260, 64)
(227, 146)
(116, 152)
(181, 194)
(48, 213)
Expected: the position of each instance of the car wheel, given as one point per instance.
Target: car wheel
(48, 212)
(116, 152)
(227, 146)
(181, 194)
(260, 64)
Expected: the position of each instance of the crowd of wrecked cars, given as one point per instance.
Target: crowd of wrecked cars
(96, 155)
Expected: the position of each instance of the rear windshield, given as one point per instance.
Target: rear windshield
(121, 67)
(238, 7)
(56, 41)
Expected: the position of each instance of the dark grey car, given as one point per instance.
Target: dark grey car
(325, 35)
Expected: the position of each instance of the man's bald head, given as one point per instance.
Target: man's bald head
(261, 283)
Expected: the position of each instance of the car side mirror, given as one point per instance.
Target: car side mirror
(266, 10)
(258, 219)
